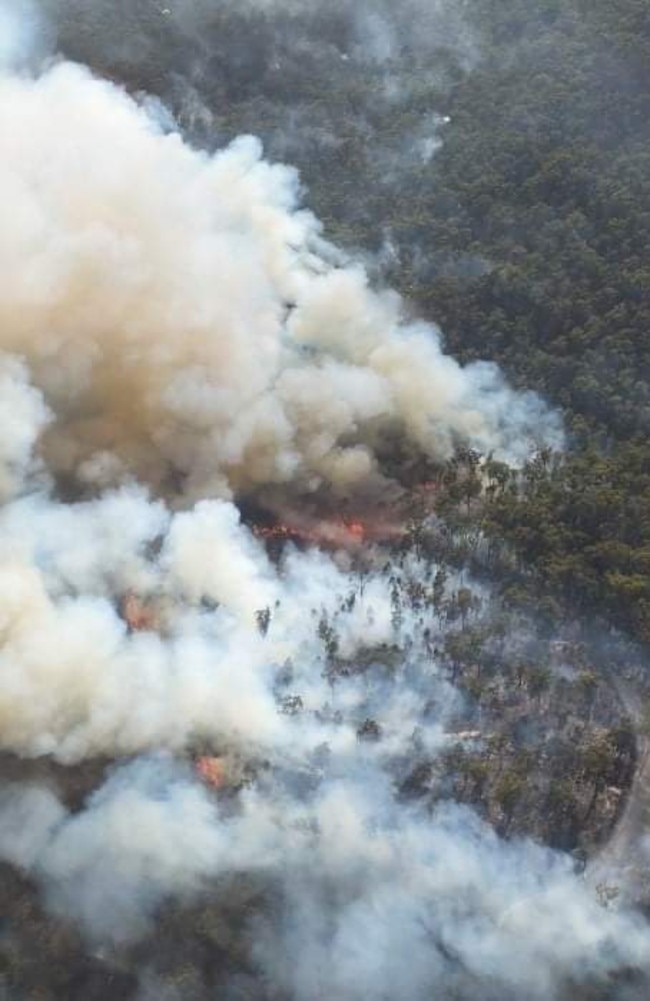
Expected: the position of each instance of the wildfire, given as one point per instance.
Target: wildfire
(212, 771)
(378, 523)
(137, 615)
(341, 532)
(357, 529)
(276, 532)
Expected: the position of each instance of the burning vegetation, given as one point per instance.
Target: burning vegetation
(212, 770)
(139, 615)
(328, 533)
(300, 744)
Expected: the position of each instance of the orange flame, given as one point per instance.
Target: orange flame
(340, 532)
(212, 771)
(137, 615)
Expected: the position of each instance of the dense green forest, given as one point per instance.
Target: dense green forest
(550, 184)
(526, 240)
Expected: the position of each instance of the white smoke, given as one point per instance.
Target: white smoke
(178, 315)
(23, 417)
(372, 905)
(175, 331)
(372, 897)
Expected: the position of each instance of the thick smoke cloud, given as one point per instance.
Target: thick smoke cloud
(24, 416)
(364, 896)
(176, 332)
(179, 314)
(365, 905)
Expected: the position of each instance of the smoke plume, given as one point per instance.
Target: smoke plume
(177, 334)
(184, 321)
